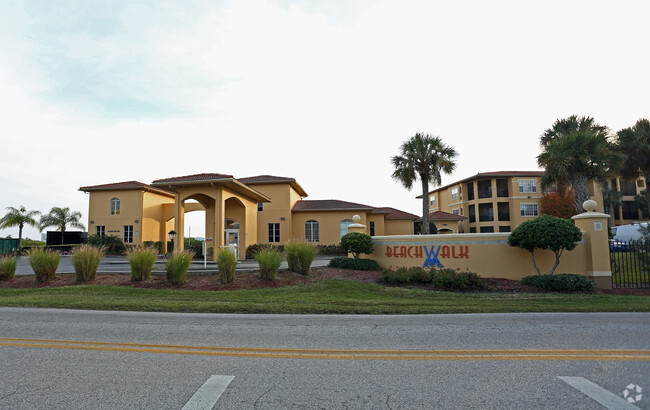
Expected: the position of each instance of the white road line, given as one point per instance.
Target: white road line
(602, 396)
(208, 394)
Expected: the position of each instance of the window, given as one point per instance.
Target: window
(100, 230)
(528, 209)
(372, 228)
(472, 213)
(455, 211)
(470, 191)
(274, 232)
(432, 201)
(472, 229)
(485, 213)
(128, 234)
(260, 207)
(527, 186)
(502, 188)
(628, 187)
(311, 231)
(484, 189)
(115, 206)
(487, 229)
(504, 229)
(630, 210)
(454, 193)
(503, 211)
(344, 226)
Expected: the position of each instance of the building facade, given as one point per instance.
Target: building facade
(242, 212)
(501, 201)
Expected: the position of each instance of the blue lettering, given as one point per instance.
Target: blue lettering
(432, 257)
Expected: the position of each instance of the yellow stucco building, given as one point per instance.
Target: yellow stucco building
(501, 201)
(244, 211)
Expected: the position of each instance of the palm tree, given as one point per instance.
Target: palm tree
(423, 156)
(61, 218)
(574, 151)
(634, 143)
(19, 217)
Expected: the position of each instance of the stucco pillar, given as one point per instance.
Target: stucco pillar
(356, 226)
(179, 224)
(594, 225)
(219, 221)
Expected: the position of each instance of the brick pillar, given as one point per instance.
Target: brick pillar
(594, 225)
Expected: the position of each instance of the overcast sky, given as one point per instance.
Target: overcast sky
(95, 92)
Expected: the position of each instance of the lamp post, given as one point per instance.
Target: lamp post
(172, 236)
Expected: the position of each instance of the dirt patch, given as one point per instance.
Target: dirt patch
(251, 280)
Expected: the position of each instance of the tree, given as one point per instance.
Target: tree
(575, 150)
(642, 203)
(423, 157)
(357, 243)
(613, 199)
(19, 217)
(546, 232)
(634, 143)
(61, 218)
(560, 203)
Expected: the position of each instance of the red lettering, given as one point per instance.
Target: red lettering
(402, 251)
(453, 252)
(389, 252)
(444, 253)
(408, 252)
(418, 251)
(464, 252)
(396, 251)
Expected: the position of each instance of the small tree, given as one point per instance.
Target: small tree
(357, 243)
(560, 203)
(546, 232)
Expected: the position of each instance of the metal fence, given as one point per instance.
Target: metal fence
(630, 264)
(8, 246)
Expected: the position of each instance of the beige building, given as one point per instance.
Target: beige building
(245, 211)
(501, 201)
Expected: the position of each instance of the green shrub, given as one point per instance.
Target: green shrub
(440, 278)
(565, 282)
(177, 266)
(227, 263)
(141, 260)
(194, 245)
(44, 263)
(330, 250)
(8, 267)
(357, 243)
(113, 244)
(396, 277)
(85, 260)
(353, 264)
(299, 256)
(256, 248)
(269, 260)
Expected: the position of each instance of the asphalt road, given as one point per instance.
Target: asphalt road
(76, 359)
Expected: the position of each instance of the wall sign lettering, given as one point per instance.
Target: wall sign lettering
(433, 253)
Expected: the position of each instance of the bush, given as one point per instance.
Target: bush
(141, 260)
(269, 260)
(299, 256)
(8, 267)
(177, 265)
(357, 243)
(440, 278)
(44, 262)
(227, 263)
(113, 244)
(85, 260)
(565, 282)
(354, 264)
(256, 248)
(331, 250)
(193, 245)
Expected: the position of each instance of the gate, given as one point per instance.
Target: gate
(630, 262)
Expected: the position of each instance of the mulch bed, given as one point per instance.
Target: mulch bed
(251, 280)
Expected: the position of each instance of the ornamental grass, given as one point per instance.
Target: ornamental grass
(177, 266)
(44, 263)
(269, 260)
(227, 263)
(85, 260)
(299, 256)
(8, 267)
(141, 260)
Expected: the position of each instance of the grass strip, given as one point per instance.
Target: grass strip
(330, 296)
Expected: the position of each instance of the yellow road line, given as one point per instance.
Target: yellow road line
(338, 354)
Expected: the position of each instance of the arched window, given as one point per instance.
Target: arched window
(115, 206)
(311, 231)
(344, 226)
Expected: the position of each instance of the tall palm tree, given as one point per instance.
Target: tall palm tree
(575, 150)
(634, 143)
(423, 157)
(61, 218)
(19, 217)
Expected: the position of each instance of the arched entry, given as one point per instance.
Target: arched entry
(231, 235)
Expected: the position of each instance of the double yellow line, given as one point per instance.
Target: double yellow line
(338, 354)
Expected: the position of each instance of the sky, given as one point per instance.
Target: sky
(96, 92)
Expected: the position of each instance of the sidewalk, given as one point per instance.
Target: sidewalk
(119, 264)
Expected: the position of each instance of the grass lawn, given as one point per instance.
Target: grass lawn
(327, 296)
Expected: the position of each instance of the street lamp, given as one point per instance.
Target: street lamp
(172, 236)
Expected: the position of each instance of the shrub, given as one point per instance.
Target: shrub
(330, 250)
(357, 243)
(113, 244)
(177, 265)
(44, 262)
(441, 278)
(299, 256)
(546, 232)
(256, 248)
(395, 277)
(566, 282)
(269, 260)
(141, 260)
(227, 263)
(354, 264)
(193, 245)
(85, 260)
(8, 267)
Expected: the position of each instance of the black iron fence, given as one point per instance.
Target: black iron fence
(630, 264)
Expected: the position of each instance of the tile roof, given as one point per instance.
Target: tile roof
(441, 215)
(329, 205)
(193, 178)
(122, 186)
(260, 179)
(397, 214)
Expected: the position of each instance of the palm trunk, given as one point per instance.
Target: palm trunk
(581, 190)
(425, 205)
(646, 175)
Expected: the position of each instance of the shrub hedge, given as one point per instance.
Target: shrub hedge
(440, 278)
(354, 264)
(563, 282)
